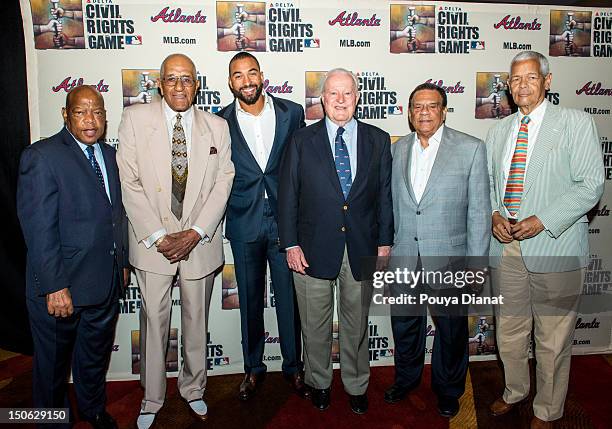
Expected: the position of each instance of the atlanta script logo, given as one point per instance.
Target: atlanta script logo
(509, 22)
(345, 19)
(176, 15)
(69, 83)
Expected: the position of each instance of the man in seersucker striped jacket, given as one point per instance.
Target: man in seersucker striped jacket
(546, 172)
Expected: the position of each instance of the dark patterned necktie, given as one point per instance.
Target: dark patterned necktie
(179, 167)
(343, 163)
(96, 167)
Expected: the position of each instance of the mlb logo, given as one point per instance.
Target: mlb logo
(133, 40)
(478, 44)
(311, 43)
(395, 110)
(215, 109)
(386, 353)
(222, 361)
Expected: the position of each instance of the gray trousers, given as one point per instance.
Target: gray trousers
(316, 303)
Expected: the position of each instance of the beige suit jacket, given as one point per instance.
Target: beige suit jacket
(144, 159)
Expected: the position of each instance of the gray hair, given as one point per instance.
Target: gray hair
(340, 70)
(532, 55)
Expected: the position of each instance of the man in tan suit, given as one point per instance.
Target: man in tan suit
(176, 176)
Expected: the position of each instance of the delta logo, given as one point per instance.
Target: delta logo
(168, 15)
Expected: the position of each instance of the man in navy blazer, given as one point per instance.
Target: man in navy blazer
(260, 126)
(336, 214)
(70, 210)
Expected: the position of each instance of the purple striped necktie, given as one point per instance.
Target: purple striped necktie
(516, 176)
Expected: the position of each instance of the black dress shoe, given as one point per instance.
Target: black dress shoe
(249, 385)
(359, 403)
(320, 398)
(448, 406)
(396, 393)
(103, 421)
(296, 380)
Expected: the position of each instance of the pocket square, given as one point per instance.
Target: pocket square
(213, 150)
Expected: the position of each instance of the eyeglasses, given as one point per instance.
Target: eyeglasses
(187, 81)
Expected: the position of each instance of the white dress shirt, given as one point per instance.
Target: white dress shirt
(422, 162)
(533, 129)
(187, 123)
(258, 130)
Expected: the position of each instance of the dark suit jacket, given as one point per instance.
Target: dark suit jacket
(313, 212)
(71, 230)
(246, 203)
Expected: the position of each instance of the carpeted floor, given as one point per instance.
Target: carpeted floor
(275, 406)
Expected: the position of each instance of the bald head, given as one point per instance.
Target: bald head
(173, 58)
(86, 90)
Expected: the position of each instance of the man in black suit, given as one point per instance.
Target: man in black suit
(335, 210)
(260, 126)
(69, 206)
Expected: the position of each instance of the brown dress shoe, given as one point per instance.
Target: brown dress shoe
(249, 385)
(501, 407)
(537, 423)
(296, 380)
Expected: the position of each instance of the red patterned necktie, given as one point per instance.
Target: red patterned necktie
(516, 176)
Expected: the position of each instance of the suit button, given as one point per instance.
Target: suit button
(165, 219)
(158, 189)
(416, 239)
(418, 213)
(112, 252)
(345, 207)
(343, 229)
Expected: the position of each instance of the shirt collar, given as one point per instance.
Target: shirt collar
(171, 114)
(83, 146)
(434, 141)
(537, 115)
(268, 104)
(332, 128)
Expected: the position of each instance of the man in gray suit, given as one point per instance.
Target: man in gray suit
(442, 215)
(546, 172)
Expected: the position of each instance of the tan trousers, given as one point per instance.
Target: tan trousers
(316, 303)
(155, 290)
(546, 303)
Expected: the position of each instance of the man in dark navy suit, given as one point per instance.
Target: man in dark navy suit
(69, 206)
(336, 211)
(260, 126)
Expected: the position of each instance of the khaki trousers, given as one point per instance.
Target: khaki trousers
(316, 304)
(156, 305)
(546, 303)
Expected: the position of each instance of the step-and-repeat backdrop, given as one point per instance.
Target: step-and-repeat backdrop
(392, 46)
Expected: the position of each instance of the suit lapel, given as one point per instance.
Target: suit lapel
(364, 157)
(406, 164)
(84, 163)
(442, 157)
(320, 140)
(280, 132)
(241, 144)
(111, 173)
(161, 151)
(547, 137)
(198, 160)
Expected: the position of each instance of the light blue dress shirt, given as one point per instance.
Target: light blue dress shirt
(350, 139)
(100, 159)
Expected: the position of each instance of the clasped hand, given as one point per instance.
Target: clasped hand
(176, 246)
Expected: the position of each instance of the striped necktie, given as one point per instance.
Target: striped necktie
(516, 176)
